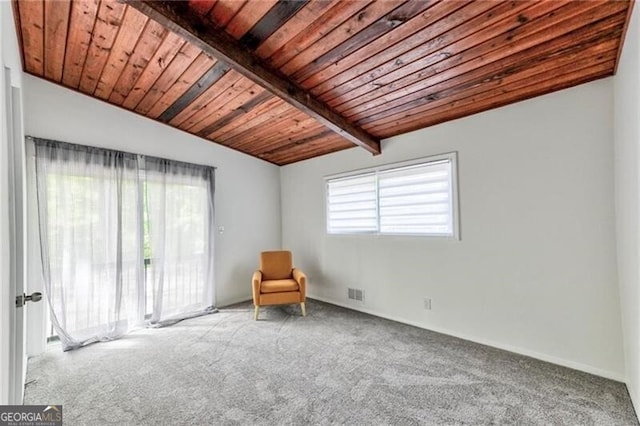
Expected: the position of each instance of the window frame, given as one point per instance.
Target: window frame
(451, 157)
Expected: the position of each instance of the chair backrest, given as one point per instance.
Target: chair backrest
(276, 265)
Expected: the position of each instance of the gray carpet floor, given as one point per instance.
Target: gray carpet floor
(336, 366)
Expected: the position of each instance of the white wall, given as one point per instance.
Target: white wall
(627, 192)
(535, 270)
(247, 198)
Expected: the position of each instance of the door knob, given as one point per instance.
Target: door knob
(33, 297)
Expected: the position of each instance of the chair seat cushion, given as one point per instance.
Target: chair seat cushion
(278, 286)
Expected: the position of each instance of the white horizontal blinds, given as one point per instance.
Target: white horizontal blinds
(417, 199)
(352, 204)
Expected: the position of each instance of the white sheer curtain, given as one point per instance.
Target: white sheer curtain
(123, 238)
(179, 205)
(90, 221)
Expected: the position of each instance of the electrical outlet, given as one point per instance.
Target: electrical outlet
(427, 303)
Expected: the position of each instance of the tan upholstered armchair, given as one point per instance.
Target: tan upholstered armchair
(278, 282)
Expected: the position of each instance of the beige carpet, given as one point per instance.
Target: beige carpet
(335, 366)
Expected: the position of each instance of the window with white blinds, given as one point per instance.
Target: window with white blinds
(352, 204)
(412, 199)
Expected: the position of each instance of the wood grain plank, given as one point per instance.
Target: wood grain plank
(250, 13)
(288, 132)
(147, 45)
(291, 128)
(239, 114)
(123, 47)
(276, 17)
(262, 125)
(324, 24)
(287, 145)
(206, 102)
(15, 13)
(257, 111)
(437, 11)
(219, 44)
(375, 93)
(536, 19)
(205, 82)
(185, 57)
(503, 96)
(478, 107)
(234, 96)
(274, 115)
(224, 11)
(170, 47)
(56, 18)
(390, 21)
(202, 7)
(346, 30)
(489, 44)
(540, 33)
(437, 88)
(311, 149)
(105, 30)
(81, 22)
(198, 68)
(535, 70)
(288, 128)
(511, 51)
(294, 26)
(434, 38)
(288, 119)
(426, 27)
(318, 148)
(32, 21)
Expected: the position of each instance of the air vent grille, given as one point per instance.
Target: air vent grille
(356, 294)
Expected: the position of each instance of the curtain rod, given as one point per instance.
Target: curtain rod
(34, 138)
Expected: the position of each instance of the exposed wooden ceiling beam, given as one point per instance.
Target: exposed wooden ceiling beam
(177, 17)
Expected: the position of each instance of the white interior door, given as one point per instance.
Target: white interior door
(17, 240)
(5, 292)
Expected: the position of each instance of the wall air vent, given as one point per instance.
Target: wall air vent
(356, 294)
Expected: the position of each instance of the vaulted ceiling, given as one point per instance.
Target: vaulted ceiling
(288, 80)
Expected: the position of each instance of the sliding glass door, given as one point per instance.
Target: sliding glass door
(125, 240)
(89, 218)
(179, 207)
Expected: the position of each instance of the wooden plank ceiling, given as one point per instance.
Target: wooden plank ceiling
(383, 67)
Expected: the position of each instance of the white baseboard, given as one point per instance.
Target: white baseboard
(233, 301)
(634, 401)
(533, 354)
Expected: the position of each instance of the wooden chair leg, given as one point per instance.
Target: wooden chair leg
(255, 312)
(304, 309)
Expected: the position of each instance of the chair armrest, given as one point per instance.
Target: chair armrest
(301, 279)
(255, 283)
